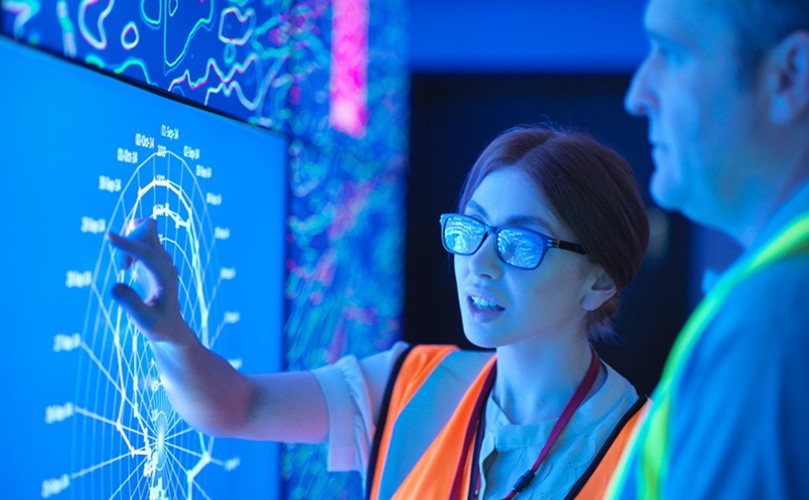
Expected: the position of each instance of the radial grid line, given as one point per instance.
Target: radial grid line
(185, 259)
(101, 368)
(184, 250)
(177, 434)
(147, 399)
(135, 470)
(143, 421)
(95, 416)
(176, 420)
(154, 176)
(146, 421)
(174, 423)
(201, 223)
(111, 273)
(149, 402)
(137, 206)
(208, 256)
(199, 488)
(137, 491)
(177, 228)
(188, 300)
(131, 332)
(111, 268)
(190, 478)
(143, 481)
(104, 310)
(140, 355)
(168, 178)
(116, 340)
(93, 468)
(217, 333)
(188, 451)
(196, 220)
(195, 471)
(216, 288)
(173, 456)
(197, 301)
(188, 304)
(177, 480)
(120, 203)
(188, 311)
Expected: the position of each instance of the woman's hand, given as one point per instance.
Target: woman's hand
(202, 386)
(158, 315)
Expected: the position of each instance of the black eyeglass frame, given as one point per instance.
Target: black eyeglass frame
(547, 241)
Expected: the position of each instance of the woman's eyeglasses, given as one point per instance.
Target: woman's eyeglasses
(516, 246)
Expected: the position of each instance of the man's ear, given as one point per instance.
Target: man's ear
(601, 289)
(786, 76)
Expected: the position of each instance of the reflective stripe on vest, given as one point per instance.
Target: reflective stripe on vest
(434, 386)
(649, 449)
(429, 409)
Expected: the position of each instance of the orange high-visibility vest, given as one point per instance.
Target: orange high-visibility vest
(428, 406)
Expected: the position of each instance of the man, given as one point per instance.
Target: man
(725, 87)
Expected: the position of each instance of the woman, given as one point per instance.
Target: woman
(550, 227)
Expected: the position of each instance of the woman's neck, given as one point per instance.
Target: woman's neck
(535, 382)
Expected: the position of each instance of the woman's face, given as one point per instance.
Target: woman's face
(502, 305)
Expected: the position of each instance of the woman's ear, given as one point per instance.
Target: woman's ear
(601, 289)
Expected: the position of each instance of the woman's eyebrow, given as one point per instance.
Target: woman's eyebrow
(477, 208)
(530, 220)
(519, 220)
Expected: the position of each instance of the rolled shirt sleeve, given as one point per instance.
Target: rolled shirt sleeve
(354, 390)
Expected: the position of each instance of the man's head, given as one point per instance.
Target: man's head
(726, 89)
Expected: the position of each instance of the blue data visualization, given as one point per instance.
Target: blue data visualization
(84, 412)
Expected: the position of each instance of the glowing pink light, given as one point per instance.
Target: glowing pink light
(348, 85)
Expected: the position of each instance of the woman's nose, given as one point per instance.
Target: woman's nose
(485, 261)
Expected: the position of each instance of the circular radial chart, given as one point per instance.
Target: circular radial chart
(128, 440)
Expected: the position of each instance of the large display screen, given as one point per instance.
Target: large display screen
(85, 414)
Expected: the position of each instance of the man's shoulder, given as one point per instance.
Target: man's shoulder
(764, 320)
(773, 295)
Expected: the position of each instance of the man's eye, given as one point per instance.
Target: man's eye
(672, 56)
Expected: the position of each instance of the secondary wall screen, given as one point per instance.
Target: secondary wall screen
(84, 411)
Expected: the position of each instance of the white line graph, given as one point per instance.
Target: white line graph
(128, 440)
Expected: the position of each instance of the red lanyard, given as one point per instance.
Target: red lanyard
(474, 433)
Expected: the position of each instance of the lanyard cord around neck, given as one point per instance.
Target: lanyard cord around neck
(474, 432)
